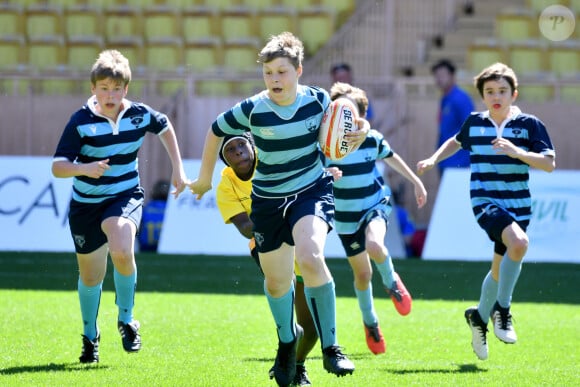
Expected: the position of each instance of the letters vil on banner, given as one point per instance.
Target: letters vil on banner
(554, 229)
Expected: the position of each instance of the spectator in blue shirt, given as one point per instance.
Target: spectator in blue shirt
(455, 107)
(342, 72)
(152, 220)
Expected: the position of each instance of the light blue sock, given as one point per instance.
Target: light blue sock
(386, 270)
(125, 294)
(322, 304)
(90, 298)
(509, 272)
(283, 313)
(365, 303)
(487, 297)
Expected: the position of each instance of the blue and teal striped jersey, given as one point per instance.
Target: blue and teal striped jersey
(286, 139)
(361, 187)
(89, 136)
(499, 179)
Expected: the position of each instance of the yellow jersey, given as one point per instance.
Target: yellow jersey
(233, 198)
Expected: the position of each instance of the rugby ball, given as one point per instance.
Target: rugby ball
(338, 120)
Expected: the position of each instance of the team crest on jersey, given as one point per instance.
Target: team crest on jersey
(516, 132)
(312, 124)
(79, 240)
(266, 132)
(137, 120)
(259, 237)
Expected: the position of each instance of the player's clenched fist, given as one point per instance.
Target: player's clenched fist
(97, 169)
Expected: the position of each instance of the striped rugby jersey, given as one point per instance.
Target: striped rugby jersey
(286, 139)
(499, 179)
(89, 136)
(361, 186)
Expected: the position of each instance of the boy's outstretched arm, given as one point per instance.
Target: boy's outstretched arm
(211, 147)
(447, 149)
(399, 165)
(178, 177)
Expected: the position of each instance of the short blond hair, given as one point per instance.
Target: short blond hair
(111, 64)
(284, 45)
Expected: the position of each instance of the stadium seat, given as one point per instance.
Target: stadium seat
(263, 4)
(537, 6)
(570, 92)
(483, 52)
(122, 22)
(131, 48)
(164, 54)
(82, 20)
(43, 19)
(344, 8)
(12, 52)
(315, 26)
(161, 21)
(46, 53)
(516, 24)
(564, 57)
(237, 22)
(273, 20)
(535, 93)
(220, 4)
(527, 57)
(82, 51)
(169, 87)
(241, 55)
(298, 4)
(199, 21)
(574, 6)
(245, 88)
(137, 4)
(11, 19)
(202, 55)
(213, 87)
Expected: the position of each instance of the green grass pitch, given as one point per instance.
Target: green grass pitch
(205, 322)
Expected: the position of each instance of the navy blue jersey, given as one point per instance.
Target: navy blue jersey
(89, 137)
(361, 187)
(499, 179)
(286, 139)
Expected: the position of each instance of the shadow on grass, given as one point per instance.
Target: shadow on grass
(445, 280)
(461, 369)
(51, 367)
